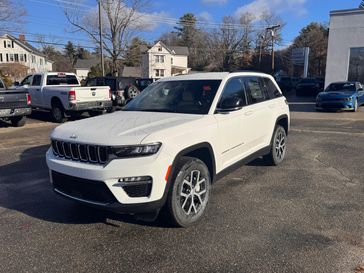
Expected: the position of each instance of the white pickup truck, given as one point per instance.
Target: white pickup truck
(62, 94)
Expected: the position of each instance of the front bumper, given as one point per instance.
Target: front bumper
(335, 105)
(92, 105)
(7, 113)
(99, 186)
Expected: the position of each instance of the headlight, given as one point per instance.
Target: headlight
(135, 150)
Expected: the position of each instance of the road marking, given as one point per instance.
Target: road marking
(327, 132)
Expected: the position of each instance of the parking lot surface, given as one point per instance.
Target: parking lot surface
(307, 215)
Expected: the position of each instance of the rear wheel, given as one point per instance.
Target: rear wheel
(18, 121)
(58, 112)
(278, 147)
(190, 192)
(111, 109)
(131, 92)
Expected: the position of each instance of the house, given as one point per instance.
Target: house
(16, 55)
(83, 66)
(161, 61)
(345, 56)
(131, 71)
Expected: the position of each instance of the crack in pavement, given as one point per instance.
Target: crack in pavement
(316, 158)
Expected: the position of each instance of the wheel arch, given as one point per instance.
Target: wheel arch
(55, 100)
(283, 120)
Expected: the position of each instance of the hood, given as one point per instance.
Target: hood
(119, 128)
(337, 94)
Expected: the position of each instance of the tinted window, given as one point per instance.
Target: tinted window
(255, 91)
(233, 88)
(1, 84)
(36, 80)
(91, 82)
(341, 87)
(183, 96)
(27, 80)
(271, 88)
(61, 79)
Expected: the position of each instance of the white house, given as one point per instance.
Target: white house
(161, 61)
(345, 56)
(19, 51)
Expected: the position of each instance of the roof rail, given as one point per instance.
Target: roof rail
(251, 71)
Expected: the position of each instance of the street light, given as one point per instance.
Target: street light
(272, 29)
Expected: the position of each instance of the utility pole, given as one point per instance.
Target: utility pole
(260, 51)
(101, 44)
(272, 30)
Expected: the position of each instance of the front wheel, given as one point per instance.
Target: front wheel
(278, 147)
(58, 113)
(190, 192)
(18, 121)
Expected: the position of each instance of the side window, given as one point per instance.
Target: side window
(36, 80)
(1, 85)
(91, 82)
(255, 92)
(233, 88)
(271, 88)
(26, 81)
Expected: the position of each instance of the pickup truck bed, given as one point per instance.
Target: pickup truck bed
(14, 106)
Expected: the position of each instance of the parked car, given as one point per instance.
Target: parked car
(341, 96)
(15, 105)
(285, 83)
(170, 143)
(309, 87)
(123, 89)
(295, 81)
(62, 94)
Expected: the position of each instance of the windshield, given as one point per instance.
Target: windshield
(186, 96)
(341, 87)
(61, 79)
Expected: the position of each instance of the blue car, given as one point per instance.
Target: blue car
(341, 96)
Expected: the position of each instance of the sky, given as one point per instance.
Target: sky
(45, 17)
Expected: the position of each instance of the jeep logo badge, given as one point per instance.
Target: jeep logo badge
(73, 136)
(93, 94)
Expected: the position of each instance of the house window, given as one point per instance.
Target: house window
(21, 57)
(159, 73)
(41, 61)
(8, 44)
(33, 59)
(160, 48)
(11, 57)
(25, 57)
(16, 57)
(171, 60)
(159, 59)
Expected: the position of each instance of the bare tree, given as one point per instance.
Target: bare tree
(10, 13)
(120, 19)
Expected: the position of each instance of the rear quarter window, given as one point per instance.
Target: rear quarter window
(271, 88)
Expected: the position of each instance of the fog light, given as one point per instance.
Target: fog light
(135, 179)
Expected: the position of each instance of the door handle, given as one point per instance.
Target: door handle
(249, 113)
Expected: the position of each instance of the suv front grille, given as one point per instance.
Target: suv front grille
(80, 152)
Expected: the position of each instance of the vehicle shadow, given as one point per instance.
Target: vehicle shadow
(25, 187)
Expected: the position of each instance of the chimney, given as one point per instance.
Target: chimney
(22, 37)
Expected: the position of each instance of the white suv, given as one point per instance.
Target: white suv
(170, 144)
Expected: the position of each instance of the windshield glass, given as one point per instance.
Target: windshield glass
(341, 87)
(186, 96)
(61, 79)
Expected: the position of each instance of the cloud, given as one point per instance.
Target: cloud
(150, 21)
(205, 17)
(258, 7)
(214, 2)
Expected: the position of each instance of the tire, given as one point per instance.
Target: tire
(187, 199)
(355, 106)
(111, 109)
(278, 147)
(18, 121)
(58, 113)
(131, 92)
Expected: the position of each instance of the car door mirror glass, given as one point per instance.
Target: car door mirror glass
(230, 104)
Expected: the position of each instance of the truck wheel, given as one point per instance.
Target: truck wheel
(111, 109)
(278, 147)
(18, 121)
(58, 113)
(189, 193)
(131, 92)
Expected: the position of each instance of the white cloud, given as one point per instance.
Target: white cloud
(150, 21)
(258, 7)
(214, 2)
(205, 17)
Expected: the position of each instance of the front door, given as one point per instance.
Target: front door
(35, 91)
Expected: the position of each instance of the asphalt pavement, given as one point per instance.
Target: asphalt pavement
(307, 215)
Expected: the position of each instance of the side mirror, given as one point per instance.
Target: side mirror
(16, 83)
(230, 104)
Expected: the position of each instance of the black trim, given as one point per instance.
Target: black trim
(280, 118)
(244, 161)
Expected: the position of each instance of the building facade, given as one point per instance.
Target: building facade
(17, 53)
(345, 57)
(161, 61)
